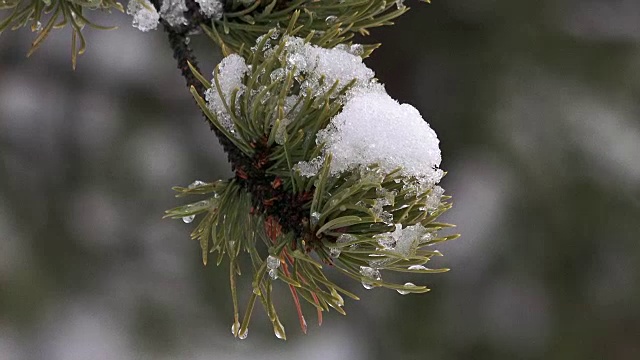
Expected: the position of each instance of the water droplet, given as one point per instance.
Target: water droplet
(187, 40)
(315, 217)
(272, 262)
(343, 208)
(405, 292)
(416, 267)
(279, 332)
(38, 26)
(273, 274)
(243, 335)
(367, 285)
(235, 327)
(331, 19)
(188, 219)
(400, 4)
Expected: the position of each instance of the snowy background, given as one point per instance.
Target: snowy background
(536, 106)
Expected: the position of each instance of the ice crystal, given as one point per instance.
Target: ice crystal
(273, 262)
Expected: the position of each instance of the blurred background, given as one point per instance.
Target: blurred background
(535, 103)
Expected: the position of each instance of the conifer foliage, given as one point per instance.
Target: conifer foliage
(330, 171)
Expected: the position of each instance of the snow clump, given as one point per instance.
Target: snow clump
(232, 70)
(375, 129)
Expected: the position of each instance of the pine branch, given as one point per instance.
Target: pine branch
(267, 195)
(329, 169)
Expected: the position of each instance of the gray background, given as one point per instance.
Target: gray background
(535, 103)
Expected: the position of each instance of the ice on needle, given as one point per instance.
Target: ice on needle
(145, 16)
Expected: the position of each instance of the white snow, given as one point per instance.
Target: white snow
(375, 129)
(336, 64)
(145, 16)
(232, 70)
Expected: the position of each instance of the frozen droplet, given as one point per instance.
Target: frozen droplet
(386, 241)
(335, 252)
(315, 217)
(188, 219)
(273, 274)
(379, 263)
(400, 4)
(369, 273)
(357, 49)
(38, 26)
(235, 328)
(273, 262)
(331, 19)
(187, 40)
(345, 238)
(386, 217)
(278, 74)
(427, 237)
(434, 197)
(417, 267)
(405, 292)
(196, 184)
